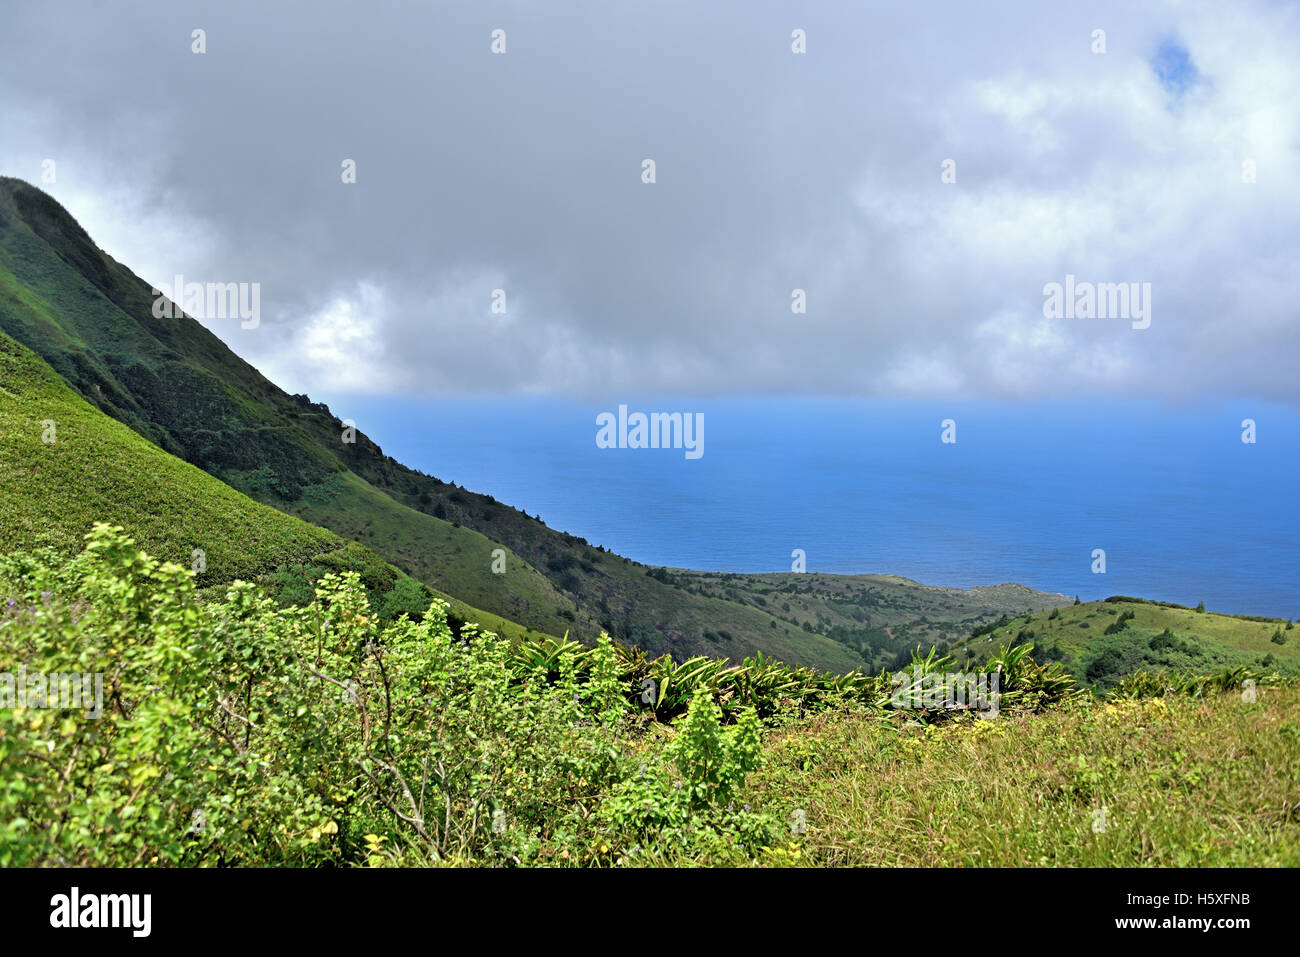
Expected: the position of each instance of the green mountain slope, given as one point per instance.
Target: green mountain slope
(178, 385)
(64, 465)
(1099, 642)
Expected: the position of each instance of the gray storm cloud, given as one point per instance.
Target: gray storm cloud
(775, 171)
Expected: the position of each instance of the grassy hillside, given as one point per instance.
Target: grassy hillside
(1158, 635)
(179, 386)
(96, 469)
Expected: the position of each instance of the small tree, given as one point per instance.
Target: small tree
(715, 760)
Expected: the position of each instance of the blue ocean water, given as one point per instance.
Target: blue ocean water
(1185, 511)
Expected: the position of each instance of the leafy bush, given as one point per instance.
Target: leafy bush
(235, 732)
(1119, 624)
(713, 761)
(1105, 665)
(1167, 641)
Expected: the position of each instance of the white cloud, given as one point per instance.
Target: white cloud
(339, 347)
(819, 172)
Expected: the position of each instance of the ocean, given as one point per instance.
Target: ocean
(1183, 509)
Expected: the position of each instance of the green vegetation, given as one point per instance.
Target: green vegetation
(236, 731)
(877, 619)
(1173, 781)
(64, 464)
(1105, 641)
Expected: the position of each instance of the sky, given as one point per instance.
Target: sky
(775, 171)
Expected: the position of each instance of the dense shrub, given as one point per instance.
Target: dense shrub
(238, 732)
(1120, 623)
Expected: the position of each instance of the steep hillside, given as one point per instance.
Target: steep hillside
(178, 385)
(1101, 641)
(64, 465)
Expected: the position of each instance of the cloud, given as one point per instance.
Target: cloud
(339, 347)
(775, 171)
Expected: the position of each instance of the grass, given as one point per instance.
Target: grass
(456, 561)
(1076, 636)
(98, 469)
(1184, 782)
(1171, 780)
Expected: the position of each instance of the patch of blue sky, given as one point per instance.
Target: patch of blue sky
(1174, 69)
